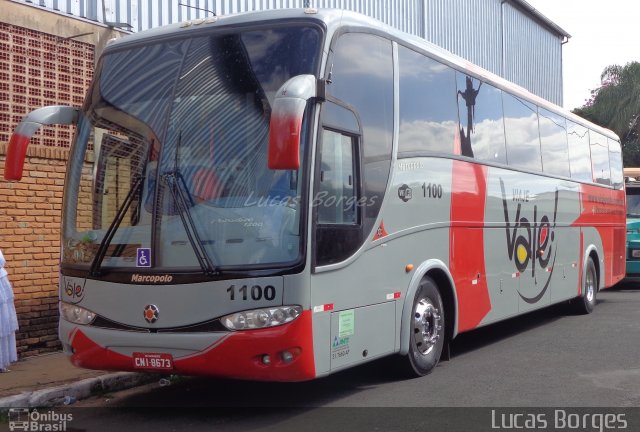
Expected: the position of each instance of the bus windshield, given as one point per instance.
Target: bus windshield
(169, 165)
(633, 201)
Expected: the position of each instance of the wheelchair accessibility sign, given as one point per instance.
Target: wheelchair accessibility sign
(143, 257)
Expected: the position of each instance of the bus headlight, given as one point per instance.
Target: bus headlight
(76, 314)
(261, 318)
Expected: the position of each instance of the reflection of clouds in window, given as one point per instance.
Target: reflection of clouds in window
(481, 122)
(377, 141)
(523, 144)
(555, 154)
(373, 63)
(427, 136)
(427, 70)
(579, 153)
(488, 140)
(615, 161)
(521, 129)
(553, 140)
(600, 158)
(428, 113)
(363, 78)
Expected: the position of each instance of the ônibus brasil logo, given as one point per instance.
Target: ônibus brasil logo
(530, 244)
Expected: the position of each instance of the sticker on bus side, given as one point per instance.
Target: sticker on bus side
(346, 323)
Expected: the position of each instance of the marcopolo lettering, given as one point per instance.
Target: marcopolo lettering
(151, 278)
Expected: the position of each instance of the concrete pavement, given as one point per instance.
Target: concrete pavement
(50, 380)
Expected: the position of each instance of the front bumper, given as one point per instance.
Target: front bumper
(222, 354)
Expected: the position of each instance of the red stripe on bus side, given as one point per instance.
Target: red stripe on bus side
(466, 243)
(604, 209)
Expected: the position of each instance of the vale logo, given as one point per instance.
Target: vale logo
(530, 240)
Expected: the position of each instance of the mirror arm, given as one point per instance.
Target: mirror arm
(17, 149)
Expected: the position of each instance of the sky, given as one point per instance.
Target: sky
(602, 33)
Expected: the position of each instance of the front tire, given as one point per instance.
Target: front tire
(587, 302)
(427, 331)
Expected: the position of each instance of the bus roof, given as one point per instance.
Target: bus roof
(333, 20)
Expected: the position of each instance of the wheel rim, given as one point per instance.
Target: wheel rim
(590, 286)
(426, 325)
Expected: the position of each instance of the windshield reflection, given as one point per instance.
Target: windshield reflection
(189, 119)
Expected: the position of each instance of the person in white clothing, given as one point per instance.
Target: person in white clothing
(8, 320)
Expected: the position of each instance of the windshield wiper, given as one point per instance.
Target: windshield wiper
(172, 179)
(108, 237)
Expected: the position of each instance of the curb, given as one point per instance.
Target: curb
(63, 394)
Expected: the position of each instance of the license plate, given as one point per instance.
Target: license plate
(153, 361)
(635, 253)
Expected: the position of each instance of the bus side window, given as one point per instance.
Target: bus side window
(553, 141)
(428, 111)
(481, 121)
(615, 161)
(579, 153)
(362, 79)
(522, 132)
(600, 158)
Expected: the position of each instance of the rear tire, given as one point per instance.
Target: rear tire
(587, 302)
(427, 330)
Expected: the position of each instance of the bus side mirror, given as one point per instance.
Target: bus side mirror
(286, 121)
(17, 150)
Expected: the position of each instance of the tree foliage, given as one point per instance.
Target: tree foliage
(616, 105)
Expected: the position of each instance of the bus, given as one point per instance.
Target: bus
(280, 195)
(632, 189)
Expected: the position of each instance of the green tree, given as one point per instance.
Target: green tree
(616, 106)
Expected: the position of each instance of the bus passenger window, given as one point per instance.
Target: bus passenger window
(336, 197)
(579, 154)
(600, 158)
(521, 130)
(480, 120)
(615, 160)
(428, 112)
(553, 140)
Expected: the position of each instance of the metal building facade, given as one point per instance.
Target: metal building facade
(506, 37)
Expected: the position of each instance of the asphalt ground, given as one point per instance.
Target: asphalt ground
(540, 366)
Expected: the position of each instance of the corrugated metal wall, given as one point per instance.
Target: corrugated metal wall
(533, 54)
(471, 29)
(478, 30)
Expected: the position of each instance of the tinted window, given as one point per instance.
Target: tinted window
(600, 158)
(615, 161)
(553, 141)
(362, 77)
(428, 113)
(481, 124)
(521, 129)
(579, 153)
(336, 198)
(338, 117)
(633, 201)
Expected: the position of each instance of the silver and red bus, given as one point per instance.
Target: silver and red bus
(280, 195)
